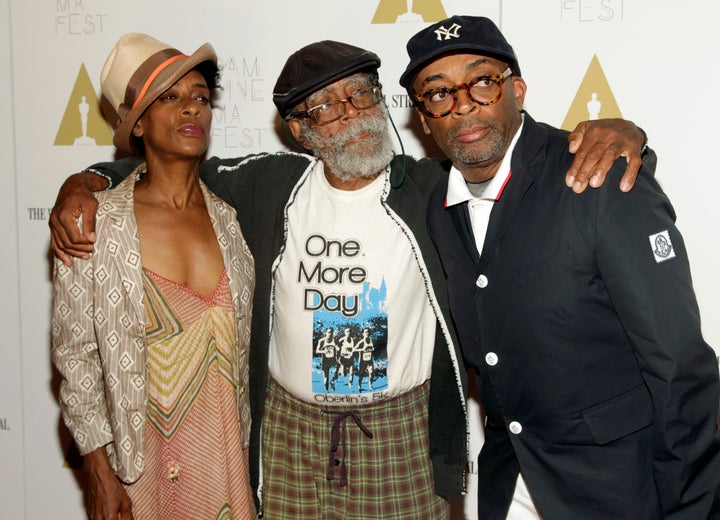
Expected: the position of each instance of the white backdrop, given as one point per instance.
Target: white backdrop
(651, 61)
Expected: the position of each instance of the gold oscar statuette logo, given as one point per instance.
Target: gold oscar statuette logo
(409, 11)
(594, 98)
(83, 123)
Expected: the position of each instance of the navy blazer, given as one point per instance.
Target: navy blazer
(586, 343)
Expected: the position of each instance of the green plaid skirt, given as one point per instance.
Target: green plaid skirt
(338, 463)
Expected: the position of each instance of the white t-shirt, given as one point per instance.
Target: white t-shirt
(348, 266)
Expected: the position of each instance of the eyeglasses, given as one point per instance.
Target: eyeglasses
(483, 90)
(330, 111)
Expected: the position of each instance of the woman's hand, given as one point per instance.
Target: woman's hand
(106, 496)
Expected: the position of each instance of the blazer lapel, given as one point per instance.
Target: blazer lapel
(227, 232)
(502, 214)
(123, 243)
(461, 222)
(527, 161)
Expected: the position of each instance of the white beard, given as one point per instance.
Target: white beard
(341, 160)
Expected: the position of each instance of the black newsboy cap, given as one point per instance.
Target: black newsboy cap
(316, 66)
(456, 35)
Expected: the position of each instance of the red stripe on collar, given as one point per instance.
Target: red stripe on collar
(502, 188)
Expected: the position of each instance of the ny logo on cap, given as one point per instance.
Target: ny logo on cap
(448, 33)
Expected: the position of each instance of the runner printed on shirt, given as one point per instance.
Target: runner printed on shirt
(327, 349)
(365, 348)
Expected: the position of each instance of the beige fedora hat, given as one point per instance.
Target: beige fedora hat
(137, 71)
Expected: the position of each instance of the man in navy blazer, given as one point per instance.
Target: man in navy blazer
(577, 312)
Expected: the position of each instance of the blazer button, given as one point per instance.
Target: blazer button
(482, 281)
(515, 427)
(491, 359)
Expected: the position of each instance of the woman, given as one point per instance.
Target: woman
(151, 333)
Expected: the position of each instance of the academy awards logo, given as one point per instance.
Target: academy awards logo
(83, 123)
(409, 11)
(594, 98)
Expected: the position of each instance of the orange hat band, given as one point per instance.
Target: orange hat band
(144, 76)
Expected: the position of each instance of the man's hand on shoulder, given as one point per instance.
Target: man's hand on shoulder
(72, 221)
(596, 145)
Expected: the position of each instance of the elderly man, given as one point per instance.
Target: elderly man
(340, 243)
(601, 394)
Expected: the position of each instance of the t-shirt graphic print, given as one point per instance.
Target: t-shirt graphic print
(351, 322)
(350, 352)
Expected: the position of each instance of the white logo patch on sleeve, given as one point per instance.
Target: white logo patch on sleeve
(661, 245)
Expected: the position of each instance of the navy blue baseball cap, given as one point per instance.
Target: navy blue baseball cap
(457, 35)
(316, 66)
